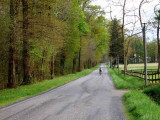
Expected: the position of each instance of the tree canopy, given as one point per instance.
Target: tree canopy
(42, 39)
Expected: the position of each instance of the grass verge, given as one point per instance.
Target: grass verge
(125, 82)
(9, 96)
(140, 107)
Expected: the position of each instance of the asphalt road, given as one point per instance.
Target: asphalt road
(92, 97)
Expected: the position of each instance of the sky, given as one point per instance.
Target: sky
(147, 13)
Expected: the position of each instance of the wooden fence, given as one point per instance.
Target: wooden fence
(153, 75)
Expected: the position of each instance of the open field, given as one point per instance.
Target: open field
(138, 70)
(140, 66)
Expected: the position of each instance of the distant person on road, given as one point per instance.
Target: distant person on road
(100, 70)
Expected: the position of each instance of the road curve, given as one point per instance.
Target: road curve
(92, 97)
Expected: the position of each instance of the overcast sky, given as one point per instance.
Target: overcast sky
(147, 13)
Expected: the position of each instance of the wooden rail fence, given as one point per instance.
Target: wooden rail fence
(152, 74)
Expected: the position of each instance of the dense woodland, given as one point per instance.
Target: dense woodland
(42, 39)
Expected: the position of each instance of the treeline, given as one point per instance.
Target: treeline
(134, 50)
(41, 39)
(137, 51)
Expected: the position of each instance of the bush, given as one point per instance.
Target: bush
(154, 93)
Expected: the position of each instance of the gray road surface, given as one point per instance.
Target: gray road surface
(92, 97)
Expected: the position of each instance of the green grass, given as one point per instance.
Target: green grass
(154, 93)
(140, 107)
(139, 67)
(9, 96)
(125, 82)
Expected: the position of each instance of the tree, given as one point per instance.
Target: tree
(4, 42)
(26, 43)
(116, 43)
(152, 50)
(157, 13)
(83, 28)
(125, 37)
(11, 68)
(137, 49)
(95, 44)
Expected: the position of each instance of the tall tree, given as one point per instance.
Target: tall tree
(157, 13)
(116, 43)
(123, 34)
(14, 5)
(4, 41)
(26, 43)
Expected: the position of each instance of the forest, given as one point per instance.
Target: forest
(42, 39)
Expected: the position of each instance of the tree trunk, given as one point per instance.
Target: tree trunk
(42, 65)
(118, 63)
(89, 63)
(110, 62)
(79, 59)
(158, 42)
(26, 55)
(123, 37)
(125, 63)
(74, 65)
(52, 67)
(11, 65)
